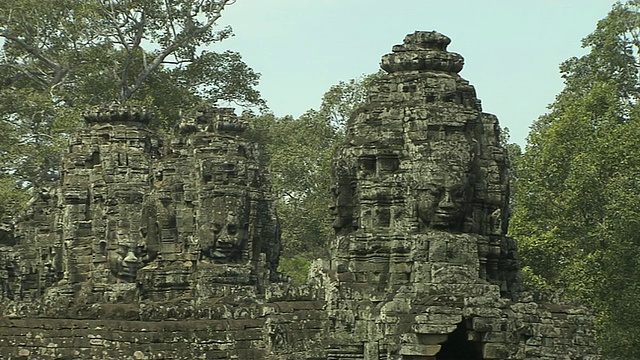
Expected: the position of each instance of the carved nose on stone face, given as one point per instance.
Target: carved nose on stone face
(130, 258)
(446, 202)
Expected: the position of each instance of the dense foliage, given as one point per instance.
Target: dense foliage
(60, 56)
(299, 152)
(577, 204)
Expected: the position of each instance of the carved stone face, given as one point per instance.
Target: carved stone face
(231, 239)
(230, 226)
(442, 204)
(342, 210)
(125, 260)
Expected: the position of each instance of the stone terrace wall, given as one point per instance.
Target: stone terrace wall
(111, 339)
(287, 323)
(293, 330)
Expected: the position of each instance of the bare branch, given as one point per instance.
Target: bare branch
(59, 71)
(189, 33)
(178, 62)
(172, 27)
(112, 18)
(30, 49)
(140, 31)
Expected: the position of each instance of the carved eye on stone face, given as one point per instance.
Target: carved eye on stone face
(122, 250)
(144, 254)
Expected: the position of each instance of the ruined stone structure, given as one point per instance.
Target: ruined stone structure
(422, 267)
(156, 250)
(134, 218)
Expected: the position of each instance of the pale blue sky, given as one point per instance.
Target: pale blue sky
(512, 48)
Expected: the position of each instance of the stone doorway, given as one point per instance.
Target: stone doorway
(458, 347)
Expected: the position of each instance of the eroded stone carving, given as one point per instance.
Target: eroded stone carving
(130, 208)
(422, 156)
(165, 250)
(421, 264)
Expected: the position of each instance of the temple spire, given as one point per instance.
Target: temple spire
(423, 51)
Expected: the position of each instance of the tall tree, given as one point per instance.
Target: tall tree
(577, 213)
(59, 56)
(341, 101)
(299, 152)
(58, 43)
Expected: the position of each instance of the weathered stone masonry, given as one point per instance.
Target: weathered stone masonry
(153, 250)
(421, 267)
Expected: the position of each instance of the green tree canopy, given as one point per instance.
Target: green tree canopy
(60, 56)
(299, 152)
(577, 213)
(69, 46)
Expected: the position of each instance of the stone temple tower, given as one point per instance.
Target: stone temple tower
(422, 266)
(422, 160)
(134, 218)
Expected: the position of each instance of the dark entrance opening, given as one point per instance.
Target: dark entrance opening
(458, 347)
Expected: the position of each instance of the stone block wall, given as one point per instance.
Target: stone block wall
(287, 323)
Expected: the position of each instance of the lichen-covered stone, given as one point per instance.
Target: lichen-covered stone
(422, 179)
(155, 250)
(135, 218)
(420, 265)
